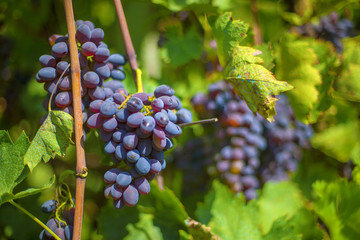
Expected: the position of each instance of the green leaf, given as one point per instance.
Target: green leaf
(281, 230)
(252, 82)
(177, 5)
(340, 141)
(183, 48)
(295, 64)
(165, 206)
(337, 204)
(12, 168)
(200, 231)
(228, 34)
(52, 138)
(228, 216)
(347, 85)
(282, 199)
(144, 229)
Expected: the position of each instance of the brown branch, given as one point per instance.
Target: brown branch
(257, 28)
(79, 138)
(129, 48)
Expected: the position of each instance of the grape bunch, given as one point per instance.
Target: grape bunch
(61, 224)
(96, 63)
(240, 132)
(137, 129)
(330, 29)
(286, 139)
(246, 150)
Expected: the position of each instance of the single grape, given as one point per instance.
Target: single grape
(47, 61)
(108, 109)
(101, 54)
(115, 85)
(65, 84)
(161, 119)
(163, 90)
(142, 165)
(118, 74)
(155, 166)
(96, 93)
(130, 141)
(123, 179)
(83, 33)
(91, 79)
(172, 130)
(131, 196)
(47, 74)
(118, 135)
(135, 119)
(95, 121)
(117, 60)
(133, 155)
(63, 99)
(102, 70)
(110, 124)
(97, 35)
(60, 50)
(157, 105)
(120, 152)
(48, 206)
(147, 124)
(134, 104)
(142, 185)
(122, 115)
(88, 49)
(110, 147)
(184, 116)
(118, 204)
(116, 192)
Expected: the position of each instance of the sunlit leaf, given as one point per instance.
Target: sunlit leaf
(52, 138)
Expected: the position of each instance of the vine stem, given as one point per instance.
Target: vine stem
(257, 29)
(129, 48)
(79, 136)
(34, 218)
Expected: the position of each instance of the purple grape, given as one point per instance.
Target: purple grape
(47, 74)
(108, 109)
(116, 192)
(118, 98)
(96, 105)
(144, 146)
(130, 141)
(142, 166)
(53, 225)
(159, 155)
(62, 66)
(157, 105)
(96, 93)
(65, 84)
(161, 119)
(117, 60)
(114, 85)
(60, 50)
(123, 179)
(131, 196)
(122, 115)
(95, 121)
(110, 147)
(168, 102)
(172, 130)
(97, 35)
(184, 116)
(102, 70)
(142, 185)
(68, 232)
(101, 54)
(47, 61)
(134, 104)
(63, 99)
(147, 124)
(118, 74)
(172, 116)
(118, 204)
(163, 90)
(120, 152)
(83, 33)
(118, 135)
(91, 79)
(107, 191)
(110, 124)
(135, 119)
(133, 155)
(158, 143)
(89, 24)
(159, 133)
(155, 166)
(88, 49)
(48, 206)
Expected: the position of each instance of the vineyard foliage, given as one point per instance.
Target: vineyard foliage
(242, 177)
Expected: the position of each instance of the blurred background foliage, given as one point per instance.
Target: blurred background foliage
(174, 46)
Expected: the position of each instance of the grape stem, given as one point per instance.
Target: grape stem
(211, 120)
(129, 48)
(79, 135)
(256, 26)
(34, 218)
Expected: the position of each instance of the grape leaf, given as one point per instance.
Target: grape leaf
(13, 169)
(11, 162)
(252, 82)
(144, 229)
(200, 231)
(295, 64)
(278, 200)
(52, 138)
(340, 141)
(281, 230)
(182, 48)
(337, 204)
(347, 85)
(228, 216)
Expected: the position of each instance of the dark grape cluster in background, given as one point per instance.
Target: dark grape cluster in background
(62, 224)
(243, 149)
(330, 28)
(136, 129)
(96, 63)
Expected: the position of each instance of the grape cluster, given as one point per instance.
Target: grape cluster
(136, 129)
(96, 63)
(240, 131)
(247, 151)
(63, 228)
(330, 29)
(286, 138)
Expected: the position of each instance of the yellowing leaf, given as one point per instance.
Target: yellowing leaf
(252, 82)
(52, 138)
(295, 65)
